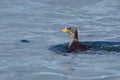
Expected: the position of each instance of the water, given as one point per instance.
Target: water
(30, 28)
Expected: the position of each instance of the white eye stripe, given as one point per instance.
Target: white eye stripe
(65, 27)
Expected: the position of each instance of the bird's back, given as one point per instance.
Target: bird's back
(76, 45)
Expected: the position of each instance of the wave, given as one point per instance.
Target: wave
(94, 46)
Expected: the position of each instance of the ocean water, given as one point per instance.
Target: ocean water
(32, 44)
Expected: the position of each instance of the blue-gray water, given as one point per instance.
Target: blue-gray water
(40, 22)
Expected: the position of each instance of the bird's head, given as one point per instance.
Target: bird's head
(72, 31)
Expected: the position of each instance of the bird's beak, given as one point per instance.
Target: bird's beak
(64, 30)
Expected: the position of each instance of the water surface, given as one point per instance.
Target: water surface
(39, 22)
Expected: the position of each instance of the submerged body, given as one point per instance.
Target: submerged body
(74, 44)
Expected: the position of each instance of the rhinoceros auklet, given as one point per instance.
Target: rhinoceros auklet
(74, 44)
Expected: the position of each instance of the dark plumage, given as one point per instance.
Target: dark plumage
(74, 44)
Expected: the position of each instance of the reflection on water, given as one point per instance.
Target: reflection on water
(94, 46)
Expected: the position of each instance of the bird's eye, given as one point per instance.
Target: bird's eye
(72, 30)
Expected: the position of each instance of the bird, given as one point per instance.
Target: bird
(74, 44)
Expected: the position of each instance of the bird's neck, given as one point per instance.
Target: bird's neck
(73, 37)
(72, 40)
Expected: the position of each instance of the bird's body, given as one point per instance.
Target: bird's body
(74, 44)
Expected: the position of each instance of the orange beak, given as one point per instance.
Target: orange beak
(64, 30)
